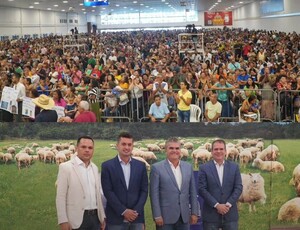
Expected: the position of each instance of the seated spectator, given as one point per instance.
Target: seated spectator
(43, 88)
(111, 102)
(58, 98)
(83, 115)
(71, 107)
(213, 109)
(46, 104)
(249, 109)
(159, 111)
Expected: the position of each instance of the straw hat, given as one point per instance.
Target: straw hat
(44, 102)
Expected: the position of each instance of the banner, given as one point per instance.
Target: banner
(60, 111)
(28, 108)
(9, 100)
(220, 18)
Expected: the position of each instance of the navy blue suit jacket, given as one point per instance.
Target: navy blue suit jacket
(119, 198)
(46, 116)
(212, 192)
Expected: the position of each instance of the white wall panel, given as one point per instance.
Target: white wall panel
(47, 18)
(10, 16)
(30, 17)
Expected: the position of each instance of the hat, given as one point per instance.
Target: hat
(92, 92)
(44, 102)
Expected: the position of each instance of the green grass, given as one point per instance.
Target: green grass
(27, 197)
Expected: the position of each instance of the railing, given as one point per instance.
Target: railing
(274, 106)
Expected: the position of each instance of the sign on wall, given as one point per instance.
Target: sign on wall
(220, 18)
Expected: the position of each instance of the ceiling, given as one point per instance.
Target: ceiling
(127, 6)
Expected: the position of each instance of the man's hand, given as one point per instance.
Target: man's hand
(193, 219)
(222, 208)
(159, 221)
(103, 225)
(65, 226)
(130, 215)
(153, 119)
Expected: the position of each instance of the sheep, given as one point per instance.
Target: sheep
(72, 148)
(271, 166)
(148, 156)
(12, 151)
(245, 157)
(232, 153)
(161, 145)
(34, 145)
(260, 145)
(296, 176)
(48, 156)
(290, 210)
(1, 155)
(269, 154)
(7, 157)
(23, 158)
(184, 154)
(60, 157)
(35, 157)
(188, 145)
(254, 151)
(202, 154)
(253, 190)
(28, 150)
(142, 160)
(113, 146)
(153, 147)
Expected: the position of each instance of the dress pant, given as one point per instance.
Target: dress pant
(179, 225)
(90, 221)
(126, 226)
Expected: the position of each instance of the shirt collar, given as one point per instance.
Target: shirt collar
(216, 164)
(171, 164)
(121, 161)
(80, 162)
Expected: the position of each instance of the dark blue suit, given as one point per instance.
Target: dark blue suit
(119, 198)
(212, 192)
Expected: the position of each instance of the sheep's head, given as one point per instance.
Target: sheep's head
(255, 178)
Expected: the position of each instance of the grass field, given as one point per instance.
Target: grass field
(27, 197)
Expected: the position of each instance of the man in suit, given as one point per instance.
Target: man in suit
(172, 191)
(220, 185)
(125, 188)
(78, 198)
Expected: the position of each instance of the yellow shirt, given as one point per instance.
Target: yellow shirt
(182, 106)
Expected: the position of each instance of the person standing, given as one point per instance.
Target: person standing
(126, 188)
(220, 185)
(19, 86)
(184, 100)
(173, 193)
(78, 197)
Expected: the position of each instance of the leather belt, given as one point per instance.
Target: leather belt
(90, 212)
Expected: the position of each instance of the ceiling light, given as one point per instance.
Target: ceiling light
(125, 7)
(141, 4)
(83, 9)
(94, 6)
(63, 10)
(93, 10)
(241, 2)
(31, 7)
(48, 8)
(163, 0)
(80, 4)
(11, 0)
(55, 5)
(36, 3)
(134, 2)
(219, 0)
(84, 12)
(65, 1)
(146, 6)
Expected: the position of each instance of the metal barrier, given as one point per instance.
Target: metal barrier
(274, 105)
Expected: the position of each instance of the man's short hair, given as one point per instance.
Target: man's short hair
(170, 140)
(84, 137)
(124, 135)
(155, 96)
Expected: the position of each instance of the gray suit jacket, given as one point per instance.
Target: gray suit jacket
(212, 192)
(169, 201)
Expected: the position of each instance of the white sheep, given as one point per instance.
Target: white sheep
(72, 148)
(290, 211)
(269, 154)
(260, 145)
(23, 159)
(296, 176)
(48, 156)
(271, 166)
(253, 190)
(148, 156)
(7, 157)
(202, 155)
(153, 147)
(184, 154)
(142, 160)
(245, 157)
(1, 155)
(11, 150)
(188, 145)
(60, 157)
(232, 154)
(28, 150)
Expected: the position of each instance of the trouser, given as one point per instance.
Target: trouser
(90, 220)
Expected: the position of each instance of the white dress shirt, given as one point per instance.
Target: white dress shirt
(126, 170)
(177, 174)
(21, 90)
(220, 170)
(89, 184)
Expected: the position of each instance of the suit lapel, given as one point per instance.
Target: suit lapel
(226, 171)
(132, 173)
(76, 169)
(171, 174)
(119, 171)
(214, 172)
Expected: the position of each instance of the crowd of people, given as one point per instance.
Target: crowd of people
(119, 73)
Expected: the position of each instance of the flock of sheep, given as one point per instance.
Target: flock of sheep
(245, 152)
